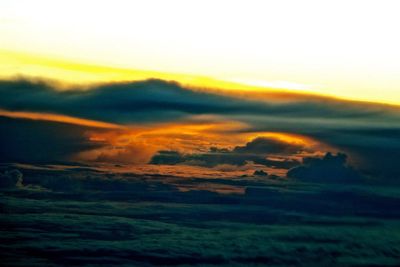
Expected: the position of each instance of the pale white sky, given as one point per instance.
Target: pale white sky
(345, 48)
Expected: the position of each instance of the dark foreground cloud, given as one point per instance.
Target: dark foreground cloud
(208, 159)
(368, 133)
(82, 217)
(264, 145)
(24, 140)
(329, 169)
(375, 151)
(11, 179)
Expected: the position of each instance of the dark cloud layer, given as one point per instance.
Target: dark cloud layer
(156, 100)
(82, 217)
(11, 179)
(263, 145)
(40, 141)
(255, 151)
(369, 133)
(147, 101)
(215, 159)
(329, 169)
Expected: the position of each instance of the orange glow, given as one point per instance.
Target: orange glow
(195, 136)
(57, 118)
(136, 144)
(135, 150)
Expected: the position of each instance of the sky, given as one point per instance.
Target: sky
(210, 88)
(346, 49)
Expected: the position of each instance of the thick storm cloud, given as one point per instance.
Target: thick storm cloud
(263, 145)
(41, 141)
(328, 169)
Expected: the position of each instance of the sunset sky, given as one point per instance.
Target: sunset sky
(211, 85)
(346, 49)
(200, 133)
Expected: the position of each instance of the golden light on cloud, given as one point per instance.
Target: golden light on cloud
(66, 73)
(134, 146)
(289, 138)
(186, 137)
(58, 118)
(138, 143)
